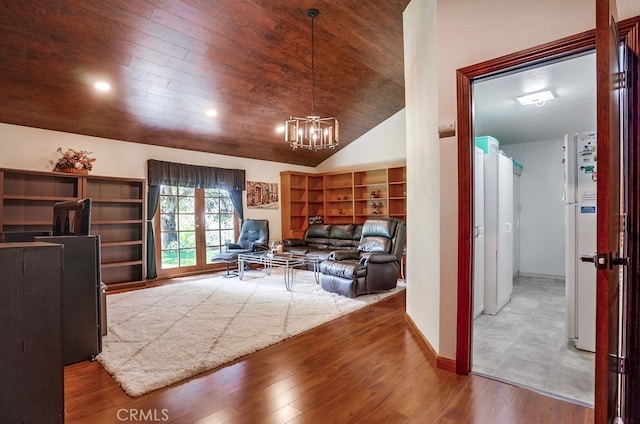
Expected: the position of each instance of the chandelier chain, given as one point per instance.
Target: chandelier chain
(313, 70)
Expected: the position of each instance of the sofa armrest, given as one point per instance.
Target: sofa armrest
(343, 255)
(378, 258)
(292, 242)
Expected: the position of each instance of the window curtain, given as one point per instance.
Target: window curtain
(153, 199)
(193, 176)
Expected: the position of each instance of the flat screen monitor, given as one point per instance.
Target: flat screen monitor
(72, 218)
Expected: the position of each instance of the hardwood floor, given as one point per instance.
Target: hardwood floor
(366, 367)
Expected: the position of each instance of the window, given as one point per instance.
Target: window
(194, 225)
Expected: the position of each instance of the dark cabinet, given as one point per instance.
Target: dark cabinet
(32, 386)
(81, 292)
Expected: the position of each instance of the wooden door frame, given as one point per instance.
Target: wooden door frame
(576, 44)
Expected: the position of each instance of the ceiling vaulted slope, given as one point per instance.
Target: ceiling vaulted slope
(169, 61)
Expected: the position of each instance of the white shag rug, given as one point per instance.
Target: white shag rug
(162, 335)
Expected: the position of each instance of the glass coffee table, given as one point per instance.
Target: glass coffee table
(287, 261)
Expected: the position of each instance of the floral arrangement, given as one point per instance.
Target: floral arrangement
(73, 159)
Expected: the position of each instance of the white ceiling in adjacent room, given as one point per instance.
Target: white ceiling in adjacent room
(573, 83)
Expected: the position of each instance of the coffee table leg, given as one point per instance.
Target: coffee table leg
(241, 270)
(267, 266)
(288, 278)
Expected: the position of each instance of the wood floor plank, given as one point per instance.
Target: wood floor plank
(364, 367)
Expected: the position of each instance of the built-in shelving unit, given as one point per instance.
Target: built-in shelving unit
(117, 214)
(341, 197)
(370, 194)
(302, 197)
(338, 198)
(397, 189)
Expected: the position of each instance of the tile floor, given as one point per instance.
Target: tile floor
(526, 343)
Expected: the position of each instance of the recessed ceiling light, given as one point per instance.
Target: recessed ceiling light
(102, 86)
(211, 113)
(537, 99)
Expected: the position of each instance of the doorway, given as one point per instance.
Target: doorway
(526, 341)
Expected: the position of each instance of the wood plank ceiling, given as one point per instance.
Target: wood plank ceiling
(170, 60)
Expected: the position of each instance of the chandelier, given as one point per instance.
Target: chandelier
(311, 132)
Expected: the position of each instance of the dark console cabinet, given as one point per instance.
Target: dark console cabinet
(32, 386)
(81, 332)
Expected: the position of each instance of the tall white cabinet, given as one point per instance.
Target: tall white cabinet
(498, 231)
(516, 220)
(478, 232)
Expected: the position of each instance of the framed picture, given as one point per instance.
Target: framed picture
(262, 195)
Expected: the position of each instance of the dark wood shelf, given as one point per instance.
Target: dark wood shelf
(39, 198)
(118, 213)
(118, 264)
(121, 243)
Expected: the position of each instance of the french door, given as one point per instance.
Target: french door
(194, 225)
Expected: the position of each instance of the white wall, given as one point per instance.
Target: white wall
(467, 32)
(542, 227)
(425, 304)
(32, 149)
(384, 145)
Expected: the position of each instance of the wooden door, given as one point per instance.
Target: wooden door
(608, 209)
(630, 410)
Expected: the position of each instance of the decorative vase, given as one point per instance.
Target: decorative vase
(78, 171)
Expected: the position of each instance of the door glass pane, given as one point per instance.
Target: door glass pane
(187, 257)
(169, 259)
(170, 240)
(187, 222)
(187, 205)
(168, 204)
(226, 221)
(168, 222)
(168, 190)
(187, 239)
(177, 227)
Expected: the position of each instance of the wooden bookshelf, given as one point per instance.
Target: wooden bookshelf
(338, 195)
(118, 215)
(295, 202)
(341, 197)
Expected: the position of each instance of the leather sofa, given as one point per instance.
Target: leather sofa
(373, 266)
(322, 239)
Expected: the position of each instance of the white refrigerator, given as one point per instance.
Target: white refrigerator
(580, 172)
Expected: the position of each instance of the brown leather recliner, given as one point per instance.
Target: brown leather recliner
(373, 267)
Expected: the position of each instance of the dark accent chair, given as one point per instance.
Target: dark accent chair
(373, 267)
(254, 236)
